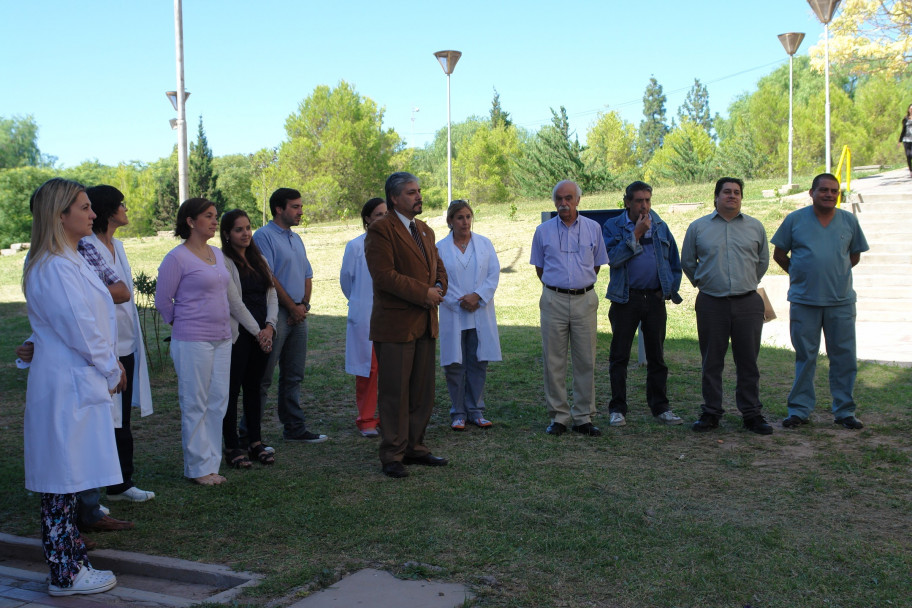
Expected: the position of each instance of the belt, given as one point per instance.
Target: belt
(735, 297)
(572, 292)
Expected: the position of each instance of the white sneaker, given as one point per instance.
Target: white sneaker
(616, 419)
(133, 494)
(104, 509)
(669, 418)
(87, 581)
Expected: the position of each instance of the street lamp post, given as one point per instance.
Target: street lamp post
(448, 61)
(824, 10)
(179, 103)
(790, 42)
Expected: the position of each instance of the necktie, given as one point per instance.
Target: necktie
(417, 238)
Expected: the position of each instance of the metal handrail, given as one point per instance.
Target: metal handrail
(845, 157)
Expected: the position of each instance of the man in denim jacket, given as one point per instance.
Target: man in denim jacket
(645, 271)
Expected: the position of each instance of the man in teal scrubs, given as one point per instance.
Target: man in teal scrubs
(825, 243)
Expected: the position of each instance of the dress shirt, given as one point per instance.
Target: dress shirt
(641, 269)
(90, 254)
(285, 253)
(568, 255)
(725, 258)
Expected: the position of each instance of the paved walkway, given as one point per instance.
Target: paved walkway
(884, 328)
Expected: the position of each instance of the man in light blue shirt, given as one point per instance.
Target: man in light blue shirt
(825, 244)
(725, 254)
(567, 252)
(284, 251)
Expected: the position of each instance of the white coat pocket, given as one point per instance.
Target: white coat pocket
(90, 387)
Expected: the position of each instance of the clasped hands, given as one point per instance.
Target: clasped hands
(264, 338)
(434, 297)
(470, 302)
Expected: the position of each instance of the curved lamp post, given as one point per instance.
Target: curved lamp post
(824, 10)
(790, 42)
(448, 61)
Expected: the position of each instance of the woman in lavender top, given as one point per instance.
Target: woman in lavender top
(192, 296)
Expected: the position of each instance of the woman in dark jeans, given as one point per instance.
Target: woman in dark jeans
(253, 318)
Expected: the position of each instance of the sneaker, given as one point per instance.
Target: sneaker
(616, 419)
(87, 581)
(133, 494)
(306, 437)
(482, 423)
(793, 422)
(707, 422)
(758, 424)
(458, 424)
(669, 418)
(370, 433)
(104, 509)
(849, 422)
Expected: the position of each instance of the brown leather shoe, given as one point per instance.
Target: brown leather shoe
(89, 543)
(109, 524)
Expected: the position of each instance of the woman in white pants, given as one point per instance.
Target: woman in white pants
(192, 296)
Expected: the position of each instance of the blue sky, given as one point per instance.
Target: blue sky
(94, 73)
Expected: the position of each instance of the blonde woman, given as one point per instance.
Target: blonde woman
(69, 430)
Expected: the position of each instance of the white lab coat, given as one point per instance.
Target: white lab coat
(69, 431)
(358, 288)
(484, 283)
(239, 313)
(142, 390)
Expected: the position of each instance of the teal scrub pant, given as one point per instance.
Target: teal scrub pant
(838, 324)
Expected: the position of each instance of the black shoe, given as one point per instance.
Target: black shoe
(428, 460)
(556, 428)
(849, 422)
(707, 422)
(306, 437)
(587, 429)
(395, 470)
(757, 424)
(794, 421)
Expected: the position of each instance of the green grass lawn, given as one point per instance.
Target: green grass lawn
(645, 515)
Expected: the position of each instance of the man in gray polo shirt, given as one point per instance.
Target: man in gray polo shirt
(284, 251)
(725, 254)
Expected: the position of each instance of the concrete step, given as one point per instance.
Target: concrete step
(898, 292)
(867, 278)
(886, 197)
(865, 312)
(868, 267)
(878, 257)
(896, 243)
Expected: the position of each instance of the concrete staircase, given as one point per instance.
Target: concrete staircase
(883, 278)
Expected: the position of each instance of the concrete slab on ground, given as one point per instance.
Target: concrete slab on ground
(145, 580)
(378, 589)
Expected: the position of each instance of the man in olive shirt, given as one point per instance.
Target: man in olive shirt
(725, 255)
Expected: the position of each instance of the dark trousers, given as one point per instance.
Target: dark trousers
(648, 308)
(248, 362)
(739, 319)
(123, 436)
(405, 396)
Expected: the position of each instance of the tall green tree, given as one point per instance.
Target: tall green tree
(16, 188)
(684, 158)
(499, 118)
(551, 156)
(483, 171)
(235, 180)
(337, 151)
(164, 211)
(202, 176)
(610, 145)
(653, 127)
(696, 106)
(19, 142)
(430, 163)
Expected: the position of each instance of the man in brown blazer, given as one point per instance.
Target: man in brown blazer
(409, 283)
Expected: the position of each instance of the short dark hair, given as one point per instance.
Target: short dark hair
(636, 186)
(189, 209)
(823, 176)
(396, 182)
(728, 180)
(105, 203)
(280, 198)
(369, 207)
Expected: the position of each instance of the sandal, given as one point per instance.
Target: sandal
(237, 459)
(260, 453)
